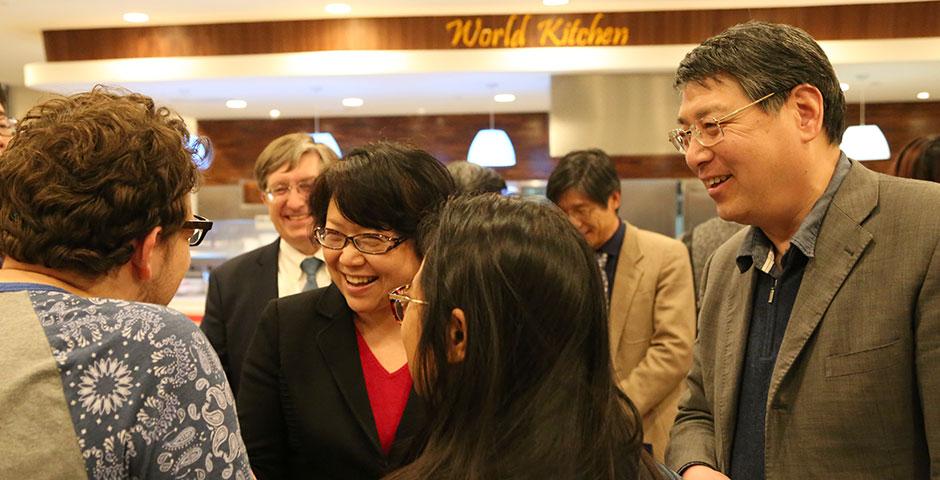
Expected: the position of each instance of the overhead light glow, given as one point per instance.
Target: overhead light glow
(923, 95)
(844, 86)
(554, 3)
(865, 142)
(352, 102)
(236, 104)
(136, 17)
(338, 8)
(505, 98)
(327, 139)
(274, 113)
(491, 147)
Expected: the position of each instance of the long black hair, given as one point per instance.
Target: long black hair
(534, 396)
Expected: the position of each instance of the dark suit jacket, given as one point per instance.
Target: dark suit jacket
(303, 405)
(856, 385)
(239, 289)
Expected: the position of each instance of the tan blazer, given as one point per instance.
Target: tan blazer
(855, 392)
(652, 327)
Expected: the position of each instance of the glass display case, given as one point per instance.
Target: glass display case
(228, 238)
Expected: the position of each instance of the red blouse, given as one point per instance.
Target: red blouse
(388, 393)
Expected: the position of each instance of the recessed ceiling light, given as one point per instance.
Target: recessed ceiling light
(136, 17)
(352, 102)
(844, 86)
(338, 8)
(505, 98)
(235, 103)
(923, 95)
(274, 113)
(554, 3)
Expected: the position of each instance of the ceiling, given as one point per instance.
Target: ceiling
(411, 82)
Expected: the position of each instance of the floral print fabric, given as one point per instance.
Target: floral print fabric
(147, 395)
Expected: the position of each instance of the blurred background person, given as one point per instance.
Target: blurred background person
(702, 241)
(240, 288)
(474, 179)
(96, 223)
(919, 159)
(325, 391)
(647, 279)
(510, 349)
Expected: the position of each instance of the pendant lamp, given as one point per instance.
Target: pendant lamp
(491, 147)
(865, 142)
(325, 138)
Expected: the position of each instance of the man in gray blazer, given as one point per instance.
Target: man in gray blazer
(240, 288)
(818, 353)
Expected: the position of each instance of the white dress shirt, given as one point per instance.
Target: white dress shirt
(290, 278)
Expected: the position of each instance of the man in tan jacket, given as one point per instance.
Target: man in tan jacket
(648, 280)
(818, 353)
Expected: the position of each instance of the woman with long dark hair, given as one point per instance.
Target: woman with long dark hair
(325, 390)
(505, 326)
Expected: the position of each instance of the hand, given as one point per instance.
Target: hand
(701, 472)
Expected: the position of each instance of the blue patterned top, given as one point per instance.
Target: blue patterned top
(146, 393)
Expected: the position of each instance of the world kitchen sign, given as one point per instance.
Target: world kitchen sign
(521, 31)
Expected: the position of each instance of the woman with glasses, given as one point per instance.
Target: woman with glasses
(509, 348)
(325, 391)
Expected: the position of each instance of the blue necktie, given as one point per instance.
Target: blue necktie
(310, 265)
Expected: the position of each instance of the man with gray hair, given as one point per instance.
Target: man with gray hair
(241, 287)
(818, 353)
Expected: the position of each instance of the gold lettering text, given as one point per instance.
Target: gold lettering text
(518, 36)
(549, 29)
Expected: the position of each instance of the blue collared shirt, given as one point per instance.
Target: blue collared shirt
(772, 302)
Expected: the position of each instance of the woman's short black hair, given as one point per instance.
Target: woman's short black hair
(383, 185)
(534, 394)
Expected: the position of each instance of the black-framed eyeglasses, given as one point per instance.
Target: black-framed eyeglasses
(200, 226)
(399, 301)
(281, 190)
(707, 134)
(369, 243)
(7, 126)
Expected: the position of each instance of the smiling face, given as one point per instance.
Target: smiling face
(365, 279)
(289, 212)
(597, 223)
(753, 172)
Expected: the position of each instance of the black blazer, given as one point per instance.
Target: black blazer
(303, 405)
(239, 289)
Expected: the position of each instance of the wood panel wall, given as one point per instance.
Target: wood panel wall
(842, 22)
(447, 137)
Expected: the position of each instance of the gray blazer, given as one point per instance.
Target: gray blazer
(855, 392)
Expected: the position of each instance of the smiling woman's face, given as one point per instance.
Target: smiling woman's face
(365, 279)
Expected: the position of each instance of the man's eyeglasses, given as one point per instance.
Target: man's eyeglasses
(399, 301)
(7, 126)
(370, 243)
(200, 226)
(707, 134)
(303, 188)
